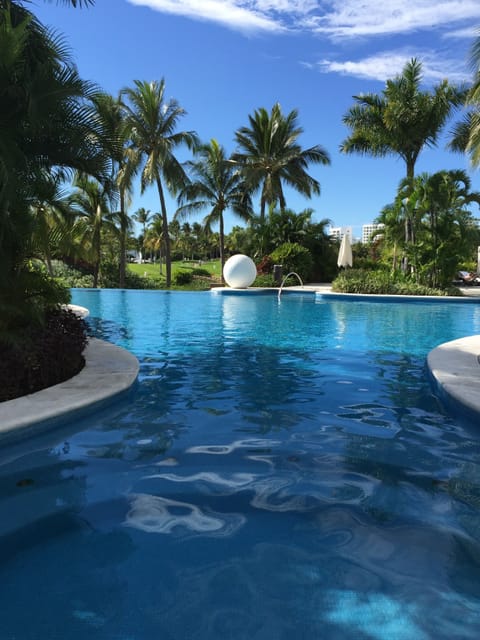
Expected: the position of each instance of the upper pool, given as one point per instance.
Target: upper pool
(282, 470)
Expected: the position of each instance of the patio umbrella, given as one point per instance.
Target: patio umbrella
(345, 252)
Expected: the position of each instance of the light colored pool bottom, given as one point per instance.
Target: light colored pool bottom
(109, 372)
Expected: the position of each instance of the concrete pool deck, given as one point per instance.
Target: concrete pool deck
(110, 371)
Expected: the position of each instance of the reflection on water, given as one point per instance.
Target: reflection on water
(154, 514)
(280, 471)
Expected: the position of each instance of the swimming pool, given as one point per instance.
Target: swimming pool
(281, 470)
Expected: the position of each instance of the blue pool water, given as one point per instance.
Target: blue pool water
(281, 470)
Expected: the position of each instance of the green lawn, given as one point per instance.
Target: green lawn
(152, 271)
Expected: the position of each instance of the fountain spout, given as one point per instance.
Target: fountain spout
(292, 273)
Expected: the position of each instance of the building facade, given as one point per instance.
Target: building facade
(368, 229)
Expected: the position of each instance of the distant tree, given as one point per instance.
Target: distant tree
(91, 204)
(154, 139)
(154, 239)
(240, 240)
(270, 157)
(288, 226)
(143, 217)
(217, 185)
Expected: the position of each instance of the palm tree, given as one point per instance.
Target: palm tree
(218, 185)
(154, 238)
(90, 201)
(401, 121)
(115, 135)
(53, 221)
(143, 216)
(270, 157)
(466, 134)
(73, 3)
(154, 139)
(446, 229)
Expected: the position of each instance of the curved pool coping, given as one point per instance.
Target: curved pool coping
(455, 369)
(109, 372)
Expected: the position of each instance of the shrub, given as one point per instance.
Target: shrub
(264, 280)
(109, 276)
(71, 277)
(183, 277)
(198, 271)
(293, 257)
(46, 355)
(384, 282)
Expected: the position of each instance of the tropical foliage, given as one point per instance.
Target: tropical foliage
(403, 120)
(215, 184)
(466, 133)
(443, 230)
(47, 129)
(385, 283)
(270, 157)
(152, 122)
(71, 155)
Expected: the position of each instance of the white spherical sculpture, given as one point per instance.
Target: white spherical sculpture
(239, 271)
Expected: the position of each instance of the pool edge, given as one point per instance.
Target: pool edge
(109, 371)
(454, 368)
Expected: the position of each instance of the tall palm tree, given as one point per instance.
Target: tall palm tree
(270, 156)
(115, 136)
(154, 139)
(403, 120)
(216, 184)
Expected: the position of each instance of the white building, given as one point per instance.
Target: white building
(368, 229)
(339, 232)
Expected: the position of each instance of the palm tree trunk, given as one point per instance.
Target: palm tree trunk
(222, 244)
(123, 234)
(262, 207)
(96, 242)
(166, 237)
(281, 199)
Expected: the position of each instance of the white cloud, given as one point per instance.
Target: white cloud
(240, 16)
(351, 18)
(469, 33)
(389, 64)
(332, 18)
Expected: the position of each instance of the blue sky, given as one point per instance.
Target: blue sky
(222, 59)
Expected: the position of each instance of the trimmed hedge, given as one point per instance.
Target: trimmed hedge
(43, 356)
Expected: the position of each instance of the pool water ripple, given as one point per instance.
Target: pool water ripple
(282, 470)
